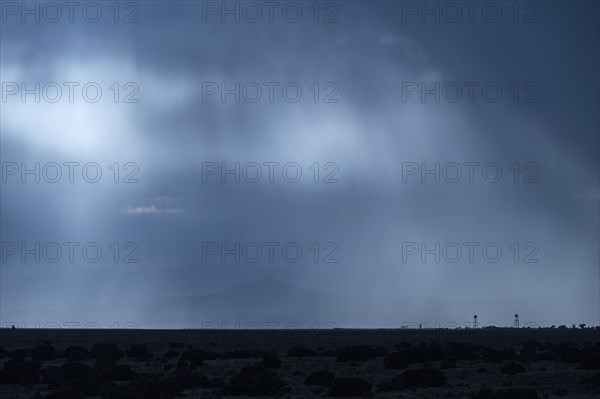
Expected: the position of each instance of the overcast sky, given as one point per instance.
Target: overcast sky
(388, 90)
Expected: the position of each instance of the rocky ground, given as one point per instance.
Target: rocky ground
(492, 363)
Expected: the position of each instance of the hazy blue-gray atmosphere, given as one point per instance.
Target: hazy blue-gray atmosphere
(370, 234)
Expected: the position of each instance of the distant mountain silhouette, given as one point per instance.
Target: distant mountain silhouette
(264, 300)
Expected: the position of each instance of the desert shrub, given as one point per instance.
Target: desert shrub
(196, 357)
(109, 353)
(189, 380)
(171, 353)
(359, 353)
(52, 375)
(403, 345)
(529, 350)
(182, 365)
(270, 362)
(448, 364)
(254, 381)
(396, 360)
(568, 353)
(298, 351)
(424, 353)
(352, 386)
(518, 393)
(157, 387)
(72, 370)
(121, 372)
(590, 358)
(20, 371)
(461, 351)
(76, 353)
(65, 393)
(548, 355)
(242, 354)
(513, 368)
(321, 378)
(593, 380)
(496, 356)
(19, 354)
(420, 378)
(562, 391)
(43, 352)
(139, 353)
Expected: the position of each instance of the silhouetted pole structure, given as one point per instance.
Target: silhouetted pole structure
(475, 321)
(516, 321)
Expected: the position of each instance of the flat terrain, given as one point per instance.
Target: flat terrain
(400, 363)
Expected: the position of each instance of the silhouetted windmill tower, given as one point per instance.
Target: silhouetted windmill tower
(516, 321)
(475, 321)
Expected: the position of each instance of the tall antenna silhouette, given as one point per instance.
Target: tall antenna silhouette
(475, 321)
(516, 321)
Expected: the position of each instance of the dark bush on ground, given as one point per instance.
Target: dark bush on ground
(529, 350)
(270, 362)
(396, 360)
(19, 354)
(121, 372)
(139, 352)
(425, 353)
(72, 370)
(43, 352)
(567, 352)
(448, 364)
(156, 387)
(593, 380)
(3, 353)
(254, 381)
(182, 365)
(513, 368)
(590, 358)
(358, 353)
(562, 391)
(17, 362)
(298, 351)
(352, 386)
(403, 345)
(461, 351)
(469, 351)
(420, 378)
(106, 352)
(521, 393)
(52, 375)
(496, 356)
(103, 365)
(190, 380)
(196, 357)
(65, 393)
(548, 356)
(321, 378)
(176, 345)
(20, 371)
(171, 353)
(242, 354)
(76, 353)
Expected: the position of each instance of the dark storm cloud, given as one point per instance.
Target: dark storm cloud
(369, 54)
